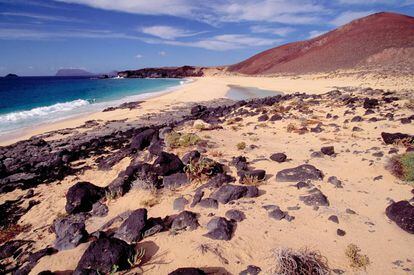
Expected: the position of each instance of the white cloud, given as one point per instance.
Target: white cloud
(167, 32)
(138, 56)
(282, 11)
(224, 42)
(162, 53)
(282, 31)
(348, 16)
(313, 34)
(40, 16)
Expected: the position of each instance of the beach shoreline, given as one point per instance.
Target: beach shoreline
(209, 88)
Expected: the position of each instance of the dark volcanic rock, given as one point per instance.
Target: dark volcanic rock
(197, 197)
(167, 72)
(82, 196)
(185, 220)
(99, 209)
(175, 180)
(208, 203)
(187, 271)
(328, 150)
(180, 203)
(219, 229)
(103, 254)
(303, 172)
(276, 117)
(192, 156)
(228, 192)
(333, 218)
(263, 118)
(277, 214)
(131, 229)
(167, 164)
(143, 139)
(251, 270)
(198, 110)
(370, 103)
(335, 182)
(70, 231)
(340, 232)
(235, 215)
(391, 138)
(240, 163)
(315, 198)
(220, 179)
(278, 157)
(402, 213)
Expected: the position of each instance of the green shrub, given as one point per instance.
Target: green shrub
(402, 166)
(241, 145)
(177, 140)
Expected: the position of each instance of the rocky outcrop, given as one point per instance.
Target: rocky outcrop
(82, 196)
(402, 213)
(164, 72)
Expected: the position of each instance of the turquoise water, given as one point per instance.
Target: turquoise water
(29, 101)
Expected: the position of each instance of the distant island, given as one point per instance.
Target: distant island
(74, 72)
(11, 76)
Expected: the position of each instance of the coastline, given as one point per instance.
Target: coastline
(212, 87)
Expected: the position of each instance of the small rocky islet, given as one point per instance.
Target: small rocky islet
(188, 160)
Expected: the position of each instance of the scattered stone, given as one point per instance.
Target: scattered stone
(103, 254)
(377, 178)
(192, 156)
(303, 184)
(316, 154)
(132, 228)
(143, 139)
(303, 172)
(186, 220)
(70, 231)
(275, 117)
(277, 214)
(340, 232)
(402, 213)
(197, 197)
(175, 180)
(263, 118)
(278, 157)
(187, 271)
(99, 209)
(370, 103)
(82, 196)
(251, 270)
(254, 174)
(208, 203)
(350, 211)
(228, 192)
(315, 198)
(180, 203)
(333, 218)
(167, 164)
(390, 138)
(235, 215)
(357, 129)
(219, 229)
(335, 182)
(328, 150)
(357, 119)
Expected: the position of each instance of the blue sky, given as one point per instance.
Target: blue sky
(38, 37)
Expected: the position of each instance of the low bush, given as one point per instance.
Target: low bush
(402, 166)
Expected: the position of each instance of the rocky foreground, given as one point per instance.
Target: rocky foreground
(221, 187)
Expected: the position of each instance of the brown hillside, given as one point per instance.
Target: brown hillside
(381, 39)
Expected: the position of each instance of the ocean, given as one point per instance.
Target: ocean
(30, 101)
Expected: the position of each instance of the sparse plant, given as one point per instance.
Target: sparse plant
(216, 154)
(405, 142)
(150, 202)
(304, 261)
(356, 260)
(177, 140)
(114, 269)
(241, 145)
(251, 180)
(402, 166)
(200, 127)
(136, 259)
(111, 195)
(199, 170)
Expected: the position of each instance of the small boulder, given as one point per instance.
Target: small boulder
(278, 157)
(187, 271)
(219, 229)
(103, 254)
(70, 231)
(180, 203)
(235, 215)
(251, 270)
(208, 203)
(335, 182)
(228, 192)
(175, 180)
(402, 213)
(315, 198)
(131, 229)
(82, 196)
(328, 150)
(167, 164)
(143, 139)
(185, 220)
(303, 172)
(370, 103)
(192, 156)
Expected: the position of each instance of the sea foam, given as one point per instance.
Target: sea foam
(43, 111)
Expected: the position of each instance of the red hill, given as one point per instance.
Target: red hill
(378, 40)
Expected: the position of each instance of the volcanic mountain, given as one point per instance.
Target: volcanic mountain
(381, 40)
